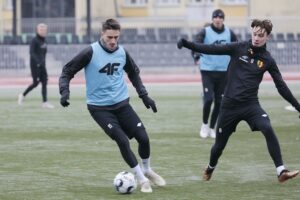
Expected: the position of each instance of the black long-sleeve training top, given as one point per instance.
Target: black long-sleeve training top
(83, 59)
(38, 50)
(246, 69)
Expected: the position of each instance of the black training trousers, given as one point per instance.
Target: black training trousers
(257, 119)
(213, 87)
(39, 74)
(121, 125)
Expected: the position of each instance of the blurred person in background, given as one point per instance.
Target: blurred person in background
(38, 50)
(213, 70)
(105, 63)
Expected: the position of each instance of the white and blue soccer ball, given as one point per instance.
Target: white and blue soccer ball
(125, 182)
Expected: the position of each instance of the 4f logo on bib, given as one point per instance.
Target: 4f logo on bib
(109, 68)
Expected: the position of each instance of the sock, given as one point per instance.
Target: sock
(279, 169)
(146, 164)
(139, 174)
(210, 169)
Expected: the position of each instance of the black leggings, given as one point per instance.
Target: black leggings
(271, 140)
(127, 154)
(213, 87)
(121, 125)
(38, 75)
(256, 124)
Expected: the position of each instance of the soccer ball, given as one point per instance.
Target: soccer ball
(125, 182)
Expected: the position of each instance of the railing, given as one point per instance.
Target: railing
(148, 27)
(151, 55)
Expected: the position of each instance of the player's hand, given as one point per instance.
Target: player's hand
(149, 103)
(64, 99)
(298, 109)
(181, 43)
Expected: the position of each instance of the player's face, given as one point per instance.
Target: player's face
(259, 36)
(42, 30)
(110, 38)
(218, 22)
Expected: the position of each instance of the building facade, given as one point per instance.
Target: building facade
(70, 16)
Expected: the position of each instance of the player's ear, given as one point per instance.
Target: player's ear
(101, 33)
(269, 37)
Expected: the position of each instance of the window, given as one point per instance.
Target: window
(201, 2)
(8, 5)
(47, 8)
(58, 14)
(235, 2)
(167, 2)
(136, 3)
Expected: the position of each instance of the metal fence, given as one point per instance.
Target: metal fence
(146, 55)
(143, 29)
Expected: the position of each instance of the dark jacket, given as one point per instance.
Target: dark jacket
(38, 50)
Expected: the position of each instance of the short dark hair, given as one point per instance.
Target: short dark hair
(111, 24)
(265, 24)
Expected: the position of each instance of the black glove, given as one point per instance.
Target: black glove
(196, 59)
(64, 99)
(298, 108)
(181, 43)
(148, 102)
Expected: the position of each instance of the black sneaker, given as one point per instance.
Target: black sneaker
(286, 175)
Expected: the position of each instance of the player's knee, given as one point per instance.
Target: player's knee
(122, 141)
(142, 137)
(208, 101)
(220, 144)
(35, 83)
(218, 102)
(145, 141)
(266, 129)
(44, 83)
(218, 148)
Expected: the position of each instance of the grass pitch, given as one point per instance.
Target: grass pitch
(63, 154)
